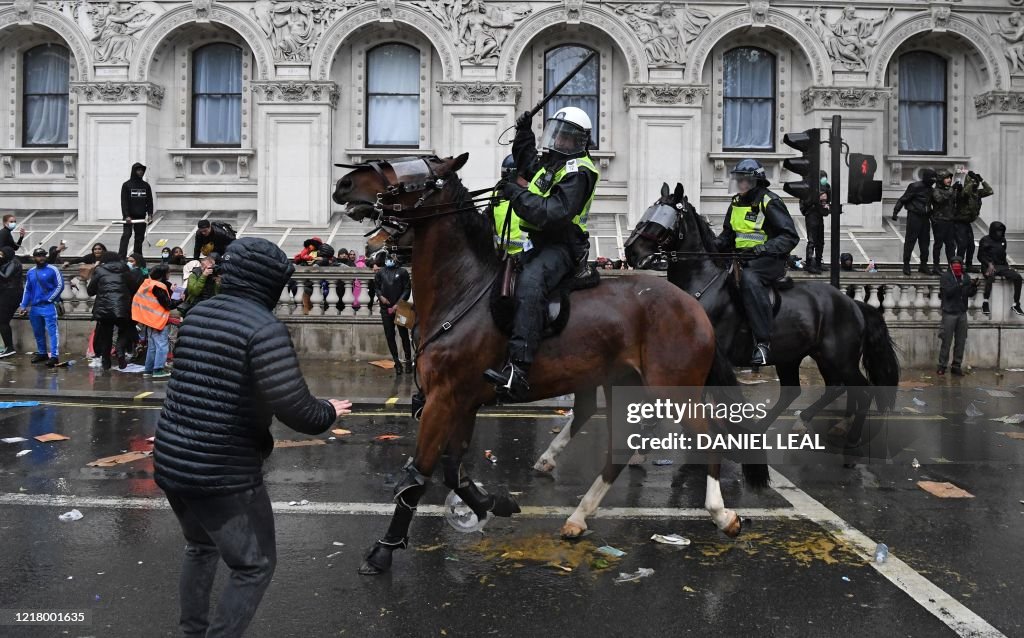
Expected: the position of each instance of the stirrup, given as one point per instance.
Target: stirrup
(760, 355)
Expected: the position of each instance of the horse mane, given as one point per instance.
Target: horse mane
(707, 236)
(478, 227)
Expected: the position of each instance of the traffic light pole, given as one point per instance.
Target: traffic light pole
(835, 142)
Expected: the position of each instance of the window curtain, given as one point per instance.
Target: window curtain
(217, 96)
(922, 121)
(581, 91)
(393, 91)
(749, 99)
(46, 96)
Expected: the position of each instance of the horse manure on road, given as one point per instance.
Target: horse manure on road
(539, 549)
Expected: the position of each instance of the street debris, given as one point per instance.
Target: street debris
(303, 443)
(17, 404)
(302, 502)
(973, 411)
(689, 590)
(919, 402)
(555, 430)
(643, 572)
(561, 567)
(338, 544)
(881, 553)
(111, 461)
(23, 453)
(14, 439)
(915, 464)
(387, 437)
(51, 436)
(1012, 419)
(490, 457)
(341, 432)
(664, 462)
(1000, 393)
(944, 489)
(671, 539)
(1014, 435)
(846, 578)
(387, 364)
(600, 563)
(608, 550)
(73, 515)
(333, 555)
(907, 408)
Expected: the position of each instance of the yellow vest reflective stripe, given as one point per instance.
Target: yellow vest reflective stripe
(580, 219)
(146, 309)
(746, 222)
(516, 240)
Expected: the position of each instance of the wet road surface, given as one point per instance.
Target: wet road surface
(799, 568)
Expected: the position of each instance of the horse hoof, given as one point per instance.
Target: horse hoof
(573, 530)
(799, 427)
(735, 526)
(544, 466)
(377, 561)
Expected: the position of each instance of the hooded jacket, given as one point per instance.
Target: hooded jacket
(955, 292)
(944, 199)
(111, 285)
(969, 202)
(234, 370)
(216, 242)
(917, 198)
(11, 272)
(992, 247)
(136, 196)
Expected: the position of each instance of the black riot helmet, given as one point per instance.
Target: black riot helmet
(508, 167)
(748, 172)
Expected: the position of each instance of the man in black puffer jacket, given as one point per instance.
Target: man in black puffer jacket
(112, 286)
(234, 369)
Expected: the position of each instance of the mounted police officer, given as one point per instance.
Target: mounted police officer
(553, 209)
(504, 214)
(758, 225)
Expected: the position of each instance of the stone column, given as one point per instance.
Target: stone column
(863, 113)
(294, 147)
(1001, 122)
(116, 127)
(473, 117)
(665, 138)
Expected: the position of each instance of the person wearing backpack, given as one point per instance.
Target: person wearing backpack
(212, 237)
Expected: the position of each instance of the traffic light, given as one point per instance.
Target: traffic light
(807, 166)
(862, 187)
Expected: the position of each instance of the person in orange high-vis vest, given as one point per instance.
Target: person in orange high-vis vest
(151, 307)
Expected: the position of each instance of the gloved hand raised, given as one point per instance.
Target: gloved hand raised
(525, 121)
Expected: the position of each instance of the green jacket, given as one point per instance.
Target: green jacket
(969, 201)
(943, 203)
(199, 288)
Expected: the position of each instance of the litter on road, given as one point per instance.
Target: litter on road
(14, 439)
(52, 436)
(614, 552)
(671, 539)
(1012, 419)
(643, 572)
(23, 453)
(944, 489)
(73, 515)
(664, 462)
(111, 461)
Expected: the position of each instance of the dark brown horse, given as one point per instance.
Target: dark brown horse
(631, 331)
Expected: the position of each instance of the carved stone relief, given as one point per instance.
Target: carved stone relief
(479, 28)
(665, 30)
(119, 92)
(663, 94)
(23, 8)
(113, 27)
(850, 40)
(202, 8)
(1009, 31)
(479, 92)
(572, 11)
(297, 91)
(843, 98)
(999, 102)
(295, 26)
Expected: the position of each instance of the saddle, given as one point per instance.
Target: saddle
(503, 296)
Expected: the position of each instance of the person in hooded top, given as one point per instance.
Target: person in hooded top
(992, 256)
(213, 435)
(136, 209)
(112, 285)
(918, 201)
(955, 287)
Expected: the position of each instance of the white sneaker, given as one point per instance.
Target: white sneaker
(7, 352)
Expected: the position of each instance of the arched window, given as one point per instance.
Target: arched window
(45, 96)
(581, 91)
(922, 123)
(392, 96)
(749, 100)
(217, 95)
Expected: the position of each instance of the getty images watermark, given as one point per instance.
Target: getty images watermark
(825, 424)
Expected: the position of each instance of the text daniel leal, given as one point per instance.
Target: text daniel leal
(722, 442)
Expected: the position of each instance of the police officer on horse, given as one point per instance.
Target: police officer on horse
(553, 209)
(758, 226)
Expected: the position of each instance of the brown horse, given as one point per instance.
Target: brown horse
(631, 331)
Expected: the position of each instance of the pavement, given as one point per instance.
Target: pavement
(803, 565)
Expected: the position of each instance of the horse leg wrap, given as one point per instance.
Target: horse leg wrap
(407, 495)
(477, 498)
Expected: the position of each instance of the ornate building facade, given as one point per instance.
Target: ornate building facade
(240, 105)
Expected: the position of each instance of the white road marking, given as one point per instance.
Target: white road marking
(955, 615)
(387, 509)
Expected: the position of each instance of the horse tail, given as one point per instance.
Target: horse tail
(879, 358)
(722, 378)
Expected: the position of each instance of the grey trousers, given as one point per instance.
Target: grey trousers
(240, 529)
(953, 327)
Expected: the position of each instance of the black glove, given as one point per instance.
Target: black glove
(525, 121)
(760, 250)
(895, 215)
(510, 190)
(958, 186)
(979, 178)
(973, 175)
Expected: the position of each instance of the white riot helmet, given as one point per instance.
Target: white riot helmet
(567, 132)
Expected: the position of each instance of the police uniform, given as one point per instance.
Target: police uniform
(553, 211)
(759, 223)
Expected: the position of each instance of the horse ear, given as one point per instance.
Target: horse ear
(664, 190)
(680, 192)
(459, 162)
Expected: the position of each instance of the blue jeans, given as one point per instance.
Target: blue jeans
(44, 321)
(156, 349)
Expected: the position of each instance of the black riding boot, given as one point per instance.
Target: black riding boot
(510, 382)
